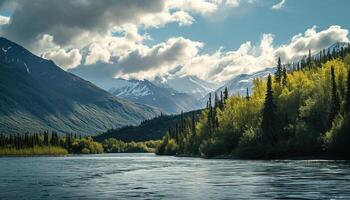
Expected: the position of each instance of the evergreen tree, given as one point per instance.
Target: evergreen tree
(284, 77)
(268, 115)
(347, 95)
(225, 94)
(278, 73)
(335, 104)
(247, 95)
(309, 60)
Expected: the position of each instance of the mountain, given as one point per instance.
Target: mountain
(240, 83)
(167, 99)
(187, 84)
(153, 129)
(37, 95)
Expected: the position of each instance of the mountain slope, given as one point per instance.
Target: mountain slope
(167, 99)
(153, 129)
(240, 83)
(187, 84)
(36, 95)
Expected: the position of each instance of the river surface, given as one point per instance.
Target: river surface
(147, 176)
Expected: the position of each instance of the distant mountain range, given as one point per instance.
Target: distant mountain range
(187, 84)
(167, 99)
(172, 95)
(37, 95)
(240, 83)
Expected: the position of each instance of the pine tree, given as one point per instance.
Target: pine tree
(335, 104)
(347, 95)
(278, 73)
(268, 115)
(247, 95)
(225, 94)
(284, 77)
(309, 59)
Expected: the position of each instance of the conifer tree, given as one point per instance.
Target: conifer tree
(278, 73)
(309, 59)
(347, 95)
(284, 77)
(225, 94)
(247, 95)
(335, 104)
(268, 115)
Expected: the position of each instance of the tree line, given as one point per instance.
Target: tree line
(301, 110)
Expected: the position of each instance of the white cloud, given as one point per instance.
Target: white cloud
(65, 59)
(146, 62)
(279, 5)
(97, 53)
(4, 20)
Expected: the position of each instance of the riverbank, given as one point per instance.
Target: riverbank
(35, 151)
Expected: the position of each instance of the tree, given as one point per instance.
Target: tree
(247, 95)
(335, 104)
(309, 59)
(268, 115)
(278, 73)
(225, 94)
(284, 77)
(347, 95)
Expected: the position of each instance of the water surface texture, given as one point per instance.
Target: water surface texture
(146, 176)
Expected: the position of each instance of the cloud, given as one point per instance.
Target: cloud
(4, 20)
(147, 62)
(180, 57)
(221, 66)
(311, 39)
(65, 59)
(279, 5)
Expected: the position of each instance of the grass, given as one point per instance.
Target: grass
(37, 150)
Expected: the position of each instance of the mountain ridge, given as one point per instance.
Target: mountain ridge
(45, 97)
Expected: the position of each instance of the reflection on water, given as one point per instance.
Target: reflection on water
(146, 176)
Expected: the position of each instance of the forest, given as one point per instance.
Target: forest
(300, 111)
(54, 144)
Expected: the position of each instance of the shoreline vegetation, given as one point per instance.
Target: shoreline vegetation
(53, 144)
(302, 111)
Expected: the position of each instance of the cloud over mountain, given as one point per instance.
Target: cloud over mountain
(110, 38)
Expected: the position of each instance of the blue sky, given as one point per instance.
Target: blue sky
(214, 40)
(251, 21)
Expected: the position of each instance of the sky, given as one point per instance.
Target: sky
(214, 40)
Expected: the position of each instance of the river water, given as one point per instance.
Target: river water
(147, 176)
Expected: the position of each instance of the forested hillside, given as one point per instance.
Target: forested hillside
(303, 111)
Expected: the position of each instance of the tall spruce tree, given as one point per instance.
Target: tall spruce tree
(247, 95)
(225, 94)
(335, 103)
(268, 115)
(284, 77)
(278, 73)
(347, 95)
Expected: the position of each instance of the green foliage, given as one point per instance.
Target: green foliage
(36, 150)
(112, 145)
(86, 146)
(304, 112)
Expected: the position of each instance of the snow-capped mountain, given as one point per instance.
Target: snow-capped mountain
(187, 84)
(337, 47)
(240, 83)
(145, 92)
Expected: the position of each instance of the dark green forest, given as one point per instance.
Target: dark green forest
(53, 144)
(301, 110)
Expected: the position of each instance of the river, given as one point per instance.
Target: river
(147, 176)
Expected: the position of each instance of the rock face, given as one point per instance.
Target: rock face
(37, 95)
